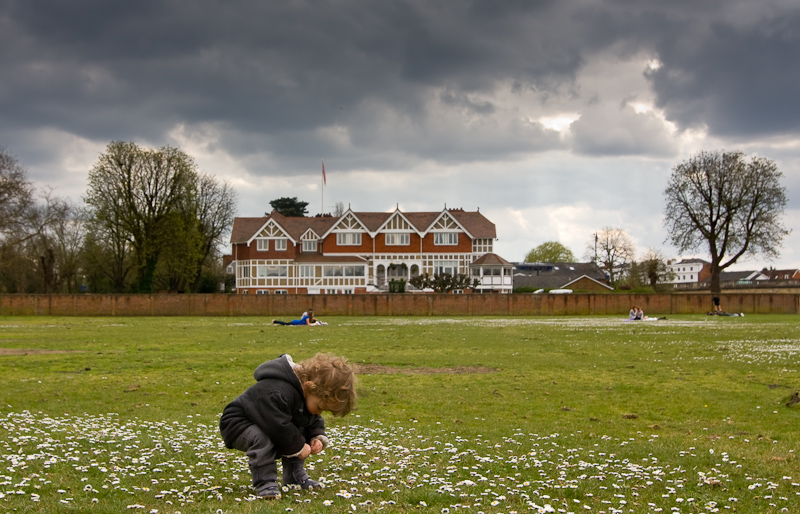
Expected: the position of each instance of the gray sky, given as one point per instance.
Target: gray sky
(556, 117)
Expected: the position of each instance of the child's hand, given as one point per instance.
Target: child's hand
(316, 446)
(305, 453)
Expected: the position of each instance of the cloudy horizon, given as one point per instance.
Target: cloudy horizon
(554, 118)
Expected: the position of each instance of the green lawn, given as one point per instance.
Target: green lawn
(493, 415)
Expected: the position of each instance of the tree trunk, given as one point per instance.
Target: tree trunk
(715, 272)
(147, 274)
(48, 263)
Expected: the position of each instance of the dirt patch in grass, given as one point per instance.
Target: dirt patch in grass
(23, 351)
(379, 369)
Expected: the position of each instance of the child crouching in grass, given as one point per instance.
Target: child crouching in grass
(280, 416)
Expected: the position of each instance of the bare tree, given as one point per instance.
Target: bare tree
(16, 200)
(338, 209)
(56, 243)
(615, 252)
(653, 267)
(726, 204)
(216, 208)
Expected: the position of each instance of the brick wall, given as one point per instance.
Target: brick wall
(291, 306)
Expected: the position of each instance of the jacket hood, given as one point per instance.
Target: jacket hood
(279, 369)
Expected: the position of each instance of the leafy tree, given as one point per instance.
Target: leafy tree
(443, 282)
(727, 204)
(550, 251)
(289, 206)
(135, 191)
(615, 252)
(107, 257)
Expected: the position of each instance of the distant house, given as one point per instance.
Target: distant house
(782, 274)
(361, 252)
(577, 276)
(689, 271)
(739, 278)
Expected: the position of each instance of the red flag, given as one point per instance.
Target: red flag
(324, 180)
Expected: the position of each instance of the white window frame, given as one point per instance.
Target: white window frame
(398, 239)
(445, 238)
(272, 270)
(280, 244)
(306, 271)
(281, 291)
(348, 239)
(343, 271)
(441, 266)
(262, 291)
(262, 245)
(310, 246)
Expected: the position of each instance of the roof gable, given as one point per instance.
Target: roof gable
(271, 229)
(445, 222)
(397, 222)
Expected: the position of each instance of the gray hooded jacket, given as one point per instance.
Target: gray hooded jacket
(276, 404)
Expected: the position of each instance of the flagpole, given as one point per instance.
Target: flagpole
(322, 207)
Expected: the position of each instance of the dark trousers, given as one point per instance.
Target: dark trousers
(261, 455)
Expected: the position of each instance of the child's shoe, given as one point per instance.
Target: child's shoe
(269, 491)
(295, 474)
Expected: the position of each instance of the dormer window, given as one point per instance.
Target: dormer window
(348, 239)
(398, 239)
(310, 246)
(445, 238)
(263, 244)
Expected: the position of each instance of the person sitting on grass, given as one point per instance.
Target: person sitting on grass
(306, 319)
(280, 416)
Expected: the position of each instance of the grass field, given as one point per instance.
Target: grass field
(500, 415)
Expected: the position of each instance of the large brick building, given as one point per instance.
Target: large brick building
(360, 252)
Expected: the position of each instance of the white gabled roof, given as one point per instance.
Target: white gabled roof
(271, 229)
(446, 214)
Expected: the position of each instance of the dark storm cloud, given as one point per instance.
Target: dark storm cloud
(107, 70)
(739, 80)
(413, 78)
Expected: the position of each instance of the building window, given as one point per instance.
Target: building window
(271, 271)
(445, 238)
(348, 239)
(281, 291)
(306, 271)
(481, 245)
(263, 244)
(310, 246)
(262, 291)
(398, 239)
(442, 267)
(343, 271)
(245, 271)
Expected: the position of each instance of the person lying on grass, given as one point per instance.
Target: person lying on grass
(280, 416)
(306, 319)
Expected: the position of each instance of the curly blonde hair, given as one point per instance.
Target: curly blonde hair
(332, 379)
